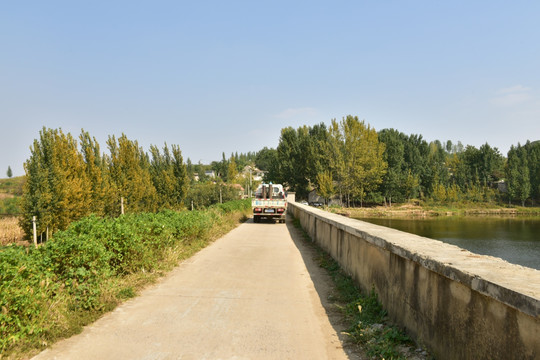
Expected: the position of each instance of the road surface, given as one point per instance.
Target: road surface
(253, 294)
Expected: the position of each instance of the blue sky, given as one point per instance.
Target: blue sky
(227, 76)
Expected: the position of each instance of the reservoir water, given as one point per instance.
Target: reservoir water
(514, 239)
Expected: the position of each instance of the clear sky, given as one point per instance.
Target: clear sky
(227, 76)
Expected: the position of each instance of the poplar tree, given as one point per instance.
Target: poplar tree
(162, 176)
(326, 185)
(412, 185)
(416, 155)
(517, 174)
(394, 150)
(533, 157)
(363, 155)
(37, 194)
(316, 160)
(436, 168)
(458, 169)
(490, 164)
(97, 175)
(130, 175)
(169, 176)
(232, 171)
(75, 190)
(336, 156)
(57, 190)
(292, 159)
(181, 184)
(222, 168)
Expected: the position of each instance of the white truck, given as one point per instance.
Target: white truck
(269, 202)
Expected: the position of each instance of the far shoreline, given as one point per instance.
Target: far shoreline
(409, 211)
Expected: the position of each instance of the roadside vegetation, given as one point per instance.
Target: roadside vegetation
(69, 178)
(52, 291)
(107, 223)
(366, 319)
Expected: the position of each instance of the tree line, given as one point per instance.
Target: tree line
(523, 172)
(68, 179)
(227, 170)
(351, 160)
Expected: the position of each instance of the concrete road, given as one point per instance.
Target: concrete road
(249, 295)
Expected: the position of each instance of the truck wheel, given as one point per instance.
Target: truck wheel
(256, 219)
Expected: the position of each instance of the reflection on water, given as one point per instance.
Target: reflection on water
(516, 240)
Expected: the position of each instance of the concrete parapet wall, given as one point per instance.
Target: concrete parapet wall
(459, 304)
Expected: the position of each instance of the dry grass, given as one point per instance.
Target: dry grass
(6, 196)
(10, 232)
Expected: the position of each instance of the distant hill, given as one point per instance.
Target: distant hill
(13, 186)
(11, 190)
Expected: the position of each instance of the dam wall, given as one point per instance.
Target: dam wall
(458, 304)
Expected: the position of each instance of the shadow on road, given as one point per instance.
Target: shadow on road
(325, 288)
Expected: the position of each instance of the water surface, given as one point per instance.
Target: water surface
(514, 239)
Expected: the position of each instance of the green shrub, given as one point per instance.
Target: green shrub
(26, 285)
(73, 269)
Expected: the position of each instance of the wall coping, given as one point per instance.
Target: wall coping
(514, 285)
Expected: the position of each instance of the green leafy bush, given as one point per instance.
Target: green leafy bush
(26, 284)
(67, 276)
